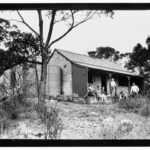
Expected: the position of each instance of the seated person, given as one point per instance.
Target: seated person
(90, 92)
(103, 96)
(122, 95)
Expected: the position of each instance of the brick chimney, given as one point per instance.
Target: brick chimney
(92, 53)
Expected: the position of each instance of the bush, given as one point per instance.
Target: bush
(12, 106)
(114, 99)
(60, 98)
(53, 123)
(124, 127)
(140, 104)
(69, 98)
(145, 110)
(131, 104)
(9, 109)
(75, 97)
(8, 112)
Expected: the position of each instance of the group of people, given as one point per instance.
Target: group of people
(122, 95)
(133, 92)
(100, 93)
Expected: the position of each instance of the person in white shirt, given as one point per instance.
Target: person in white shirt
(113, 87)
(90, 92)
(91, 89)
(134, 89)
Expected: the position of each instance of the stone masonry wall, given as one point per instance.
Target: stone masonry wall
(65, 65)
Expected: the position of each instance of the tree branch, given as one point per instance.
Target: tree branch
(62, 19)
(23, 21)
(16, 20)
(51, 27)
(33, 62)
(59, 38)
(18, 63)
(89, 16)
(40, 29)
(73, 25)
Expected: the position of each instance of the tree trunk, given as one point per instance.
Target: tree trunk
(37, 82)
(24, 88)
(43, 80)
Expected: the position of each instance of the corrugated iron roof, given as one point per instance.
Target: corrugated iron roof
(95, 63)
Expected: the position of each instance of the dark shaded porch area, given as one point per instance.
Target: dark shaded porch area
(98, 78)
(123, 82)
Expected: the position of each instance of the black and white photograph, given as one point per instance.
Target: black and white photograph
(75, 72)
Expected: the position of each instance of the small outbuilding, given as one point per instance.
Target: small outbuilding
(70, 73)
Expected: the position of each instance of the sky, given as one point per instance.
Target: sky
(122, 32)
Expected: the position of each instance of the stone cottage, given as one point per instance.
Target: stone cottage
(70, 73)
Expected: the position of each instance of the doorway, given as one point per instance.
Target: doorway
(104, 82)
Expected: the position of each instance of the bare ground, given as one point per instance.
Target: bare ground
(81, 121)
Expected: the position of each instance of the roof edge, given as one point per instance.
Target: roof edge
(75, 62)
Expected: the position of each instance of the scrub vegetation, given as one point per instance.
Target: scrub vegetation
(70, 120)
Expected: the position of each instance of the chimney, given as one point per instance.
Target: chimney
(92, 53)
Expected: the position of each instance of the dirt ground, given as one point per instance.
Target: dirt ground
(82, 121)
(93, 121)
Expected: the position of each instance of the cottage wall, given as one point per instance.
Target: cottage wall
(79, 80)
(66, 68)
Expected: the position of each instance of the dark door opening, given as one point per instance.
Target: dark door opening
(104, 81)
(90, 77)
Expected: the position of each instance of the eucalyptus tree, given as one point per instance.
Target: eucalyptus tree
(71, 18)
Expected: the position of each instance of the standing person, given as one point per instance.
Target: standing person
(134, 90)
(113, 87)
